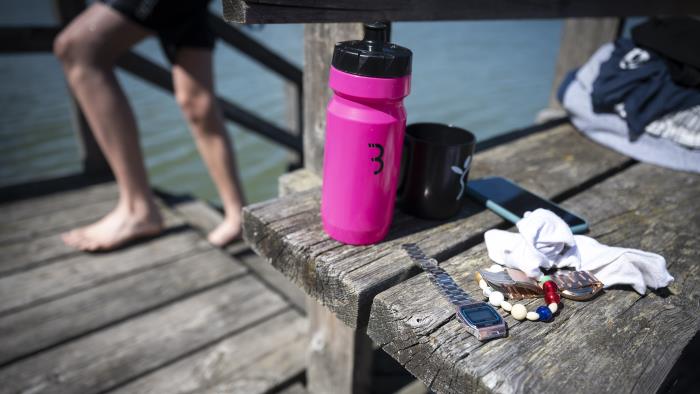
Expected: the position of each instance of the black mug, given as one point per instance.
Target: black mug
(435, 166)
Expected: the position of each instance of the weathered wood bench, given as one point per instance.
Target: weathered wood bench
(618, 342)
(628, 204)
(342, 281)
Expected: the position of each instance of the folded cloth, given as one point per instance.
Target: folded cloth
(545, 241)
(636, 84)
(611, 130)
(682, 127)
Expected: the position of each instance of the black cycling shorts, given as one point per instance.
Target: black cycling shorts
(177, 23)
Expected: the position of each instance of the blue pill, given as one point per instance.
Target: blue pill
(545, 313)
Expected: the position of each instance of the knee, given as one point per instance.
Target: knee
(65, 47)
(78, 55)
(197, 106)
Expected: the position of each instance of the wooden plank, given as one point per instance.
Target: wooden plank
(48, 324)
(340, 357)
(313, 11)
(43, 205)
(253, 361)
(298, 181)
(617, 342)
(53, 222)
(46, 249)
(296, 388)
(205, 218)
(136, 347)
(319, 40)
(345, 278)
(82, 271)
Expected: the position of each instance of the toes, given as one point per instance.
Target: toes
(72, 238)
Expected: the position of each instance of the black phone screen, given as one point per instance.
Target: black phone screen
(515, 199)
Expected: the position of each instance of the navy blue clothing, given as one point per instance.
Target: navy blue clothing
(636, 84)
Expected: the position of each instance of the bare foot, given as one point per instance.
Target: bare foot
(228, 231)
(114, 230)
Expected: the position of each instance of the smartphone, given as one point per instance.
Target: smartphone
(511, 201)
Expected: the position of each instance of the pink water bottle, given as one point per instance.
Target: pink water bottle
(365, 128)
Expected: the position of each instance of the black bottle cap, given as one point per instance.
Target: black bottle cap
(373, 56)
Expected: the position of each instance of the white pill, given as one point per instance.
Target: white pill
(487, 292)
(495, 268)
(533, 316)
(506, 306)
(496, 297)
(554, 307)
(483, 284)
(518, 311)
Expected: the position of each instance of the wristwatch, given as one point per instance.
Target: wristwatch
(482, 320)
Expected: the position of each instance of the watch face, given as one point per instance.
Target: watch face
(480, 315)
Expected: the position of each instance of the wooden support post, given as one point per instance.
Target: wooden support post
(293, 118)
(94, 162)
(319, 40)
(581, 37)
(340, 358)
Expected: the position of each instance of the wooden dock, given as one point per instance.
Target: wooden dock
(171, 314)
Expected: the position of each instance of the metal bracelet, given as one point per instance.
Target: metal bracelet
(449, 288)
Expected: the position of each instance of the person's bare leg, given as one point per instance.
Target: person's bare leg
(88, 48)
(194, 91)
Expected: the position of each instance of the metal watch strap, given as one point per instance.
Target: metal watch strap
(449, 288)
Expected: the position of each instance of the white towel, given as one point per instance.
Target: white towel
(545, 241)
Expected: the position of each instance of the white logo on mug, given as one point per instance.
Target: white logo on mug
(462, 172)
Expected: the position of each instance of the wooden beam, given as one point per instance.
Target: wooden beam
(340, 357)
(319, 40)
(157, 75)
(313, 11)
(27, 39)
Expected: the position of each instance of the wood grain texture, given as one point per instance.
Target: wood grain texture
(319, 40)
(313, 11)
(83, 271)
(297, 181)
(58, 220)
(340, 357)
(23, 254)
(39, 206)
(53, 322)
(114, 356)
(345, 278)
(618, 342)
(205, 218)
(253, 361)
(296, 388)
